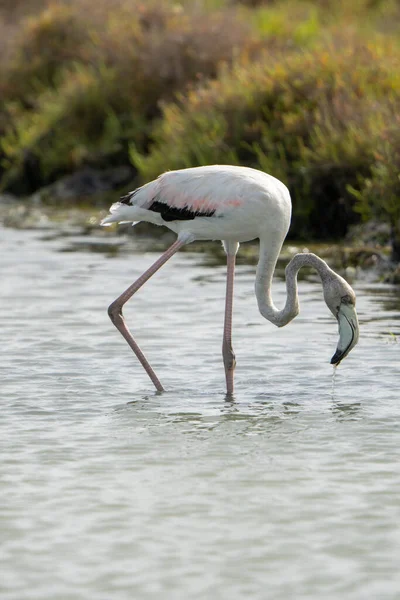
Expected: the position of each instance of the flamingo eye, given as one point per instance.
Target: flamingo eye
(347, 300)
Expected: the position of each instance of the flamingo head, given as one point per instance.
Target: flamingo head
(341, 301)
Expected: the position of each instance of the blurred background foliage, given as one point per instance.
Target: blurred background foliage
(306, 90)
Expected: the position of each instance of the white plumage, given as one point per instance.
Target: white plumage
(246, 202)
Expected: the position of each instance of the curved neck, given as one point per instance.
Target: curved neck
(265, 269)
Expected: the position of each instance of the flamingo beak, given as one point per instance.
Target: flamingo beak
(348, 332)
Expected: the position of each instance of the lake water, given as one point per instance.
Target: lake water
(110, 490)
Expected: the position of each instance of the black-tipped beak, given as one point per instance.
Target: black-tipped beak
(337, 357)
(348, 332)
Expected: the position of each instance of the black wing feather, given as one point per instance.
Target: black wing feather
(171, 213)
(128, 198)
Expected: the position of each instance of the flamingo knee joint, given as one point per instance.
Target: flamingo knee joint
(229, 357)
(115, 311)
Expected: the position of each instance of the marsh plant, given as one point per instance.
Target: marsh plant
(306, 90)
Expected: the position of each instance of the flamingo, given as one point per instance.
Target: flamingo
(233, 204)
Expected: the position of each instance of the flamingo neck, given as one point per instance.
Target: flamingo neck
(265, 270)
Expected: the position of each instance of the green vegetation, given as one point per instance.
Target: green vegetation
(379, 193)
(310, 119)
(79, 83)
(306, 90)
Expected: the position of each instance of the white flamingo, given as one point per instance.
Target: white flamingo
(232, 204)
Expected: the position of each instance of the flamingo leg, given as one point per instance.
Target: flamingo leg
(227, 350)
(115, 309)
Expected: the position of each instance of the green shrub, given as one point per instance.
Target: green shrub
(309, 119)
(85, 120)
(82, 81)
(44, 46)
(84, 78)
(33, 57)
(379, 194)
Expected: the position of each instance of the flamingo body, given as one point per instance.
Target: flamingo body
(217, 202)
(233, 204)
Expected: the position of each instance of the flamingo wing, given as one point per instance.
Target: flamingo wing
(173, 213)
(185, 194)
(174, 198)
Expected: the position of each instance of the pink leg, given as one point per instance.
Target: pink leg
(115, 309)
(227, 350)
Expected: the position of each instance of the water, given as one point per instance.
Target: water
(111, 490)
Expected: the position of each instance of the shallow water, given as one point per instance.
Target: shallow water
(110, 490)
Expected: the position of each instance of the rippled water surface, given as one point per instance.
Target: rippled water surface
(110, 490)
